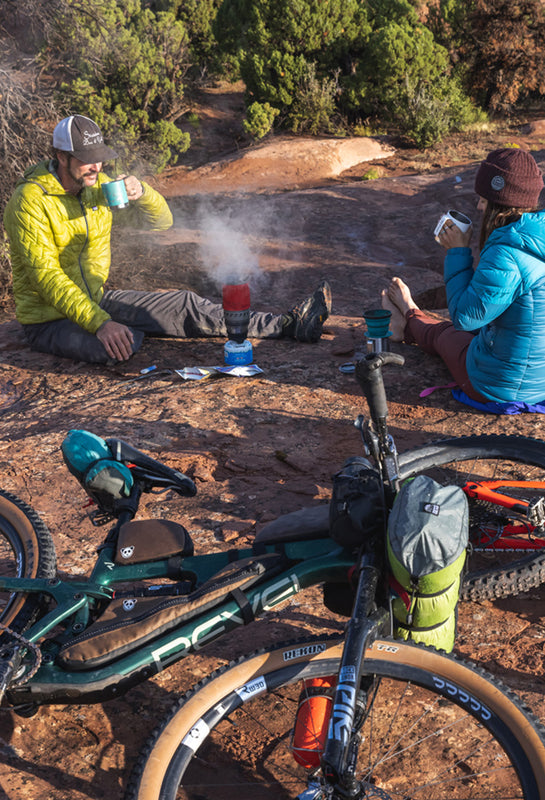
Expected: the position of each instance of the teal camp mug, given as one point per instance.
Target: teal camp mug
(115, 193)
(378, 329)
(378, 323)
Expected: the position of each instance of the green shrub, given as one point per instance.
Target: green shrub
(259, 119)
(131, 64)
(429, 117)
(289, 52)
(167, 141)
(372, 174)
(313, 107)
(193, 120)
(319, 62)
(407, 79)
(449, 23)
(359, 129)
(197, 17)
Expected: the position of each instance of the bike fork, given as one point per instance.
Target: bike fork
(341, 746)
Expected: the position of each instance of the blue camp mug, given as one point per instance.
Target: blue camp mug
(115, 193)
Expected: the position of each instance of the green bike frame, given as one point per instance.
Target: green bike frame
(308, 563)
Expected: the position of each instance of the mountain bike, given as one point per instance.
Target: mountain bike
(362, 715)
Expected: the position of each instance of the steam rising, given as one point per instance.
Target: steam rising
(226, 252)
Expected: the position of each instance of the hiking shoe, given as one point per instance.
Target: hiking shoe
(306, 320)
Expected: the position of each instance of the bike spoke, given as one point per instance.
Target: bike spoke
(414, 745)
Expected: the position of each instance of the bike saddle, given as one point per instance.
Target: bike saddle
(149, 472)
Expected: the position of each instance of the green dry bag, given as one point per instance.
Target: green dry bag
(428, 530)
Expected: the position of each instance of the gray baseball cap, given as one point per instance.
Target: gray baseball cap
(82, 138)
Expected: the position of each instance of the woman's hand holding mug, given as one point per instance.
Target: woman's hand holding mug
(454, 229)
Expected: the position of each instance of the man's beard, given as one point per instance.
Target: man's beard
(80, 180)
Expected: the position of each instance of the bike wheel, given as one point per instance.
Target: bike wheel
(491, 572)
(26, 551)
(433, 728)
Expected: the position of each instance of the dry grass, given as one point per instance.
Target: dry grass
(26, 116)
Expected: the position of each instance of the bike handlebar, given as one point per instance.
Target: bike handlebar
(369, 376)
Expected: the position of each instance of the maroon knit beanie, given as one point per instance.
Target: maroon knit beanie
(510, 177)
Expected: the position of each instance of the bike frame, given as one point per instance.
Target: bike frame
(514, 535)
(309, 563)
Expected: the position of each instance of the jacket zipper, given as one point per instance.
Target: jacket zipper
(83, 248)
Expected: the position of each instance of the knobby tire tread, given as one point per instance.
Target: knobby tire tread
(521, 575)
(37, 552)
(515, 715)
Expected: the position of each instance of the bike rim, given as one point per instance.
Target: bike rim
(12, 561)
(422, 736)
(415, 744)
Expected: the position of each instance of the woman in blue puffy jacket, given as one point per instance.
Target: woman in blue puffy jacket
(495, 345)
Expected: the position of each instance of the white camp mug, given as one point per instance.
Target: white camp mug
(459, 219)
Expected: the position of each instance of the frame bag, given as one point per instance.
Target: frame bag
(428, 532)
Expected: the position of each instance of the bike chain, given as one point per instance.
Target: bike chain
(35, 652)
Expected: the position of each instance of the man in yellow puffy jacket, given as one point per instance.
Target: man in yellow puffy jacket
(59, 227)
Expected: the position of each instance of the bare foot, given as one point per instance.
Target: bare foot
(397, 321)
(400, 295)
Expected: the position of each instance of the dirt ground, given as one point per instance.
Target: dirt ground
(285, 214)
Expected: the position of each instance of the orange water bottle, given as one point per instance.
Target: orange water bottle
(313, 713)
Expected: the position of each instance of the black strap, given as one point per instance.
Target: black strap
(243, 603)
(259, 549)
(174, 568)
(416, 629)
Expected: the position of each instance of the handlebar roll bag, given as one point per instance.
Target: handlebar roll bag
(356, 509)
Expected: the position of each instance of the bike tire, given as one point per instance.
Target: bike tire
(26, 551)
(433, 722)
(489, 575)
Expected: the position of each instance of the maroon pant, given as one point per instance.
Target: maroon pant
(442, 339)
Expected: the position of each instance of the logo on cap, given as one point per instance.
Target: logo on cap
(91, 138)
(497, 183)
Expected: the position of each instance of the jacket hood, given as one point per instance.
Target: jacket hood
(526, 234)
(41, 175)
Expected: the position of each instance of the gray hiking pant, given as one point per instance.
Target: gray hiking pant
(179, 313)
